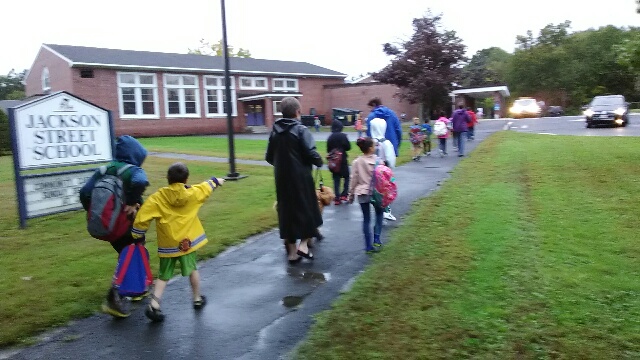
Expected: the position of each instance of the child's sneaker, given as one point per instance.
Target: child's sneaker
(114, 305)
(154, 314)
(138, 297)
(199, 304)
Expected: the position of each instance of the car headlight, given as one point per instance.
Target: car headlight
(588, 113)
(619, 111)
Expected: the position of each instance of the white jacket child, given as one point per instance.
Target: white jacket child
(385, 149)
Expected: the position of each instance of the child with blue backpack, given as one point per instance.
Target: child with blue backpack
(129, 156)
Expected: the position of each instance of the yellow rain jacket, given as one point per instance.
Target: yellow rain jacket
(175, 209)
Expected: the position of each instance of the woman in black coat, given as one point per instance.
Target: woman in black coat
(292, 152)
(339, 140)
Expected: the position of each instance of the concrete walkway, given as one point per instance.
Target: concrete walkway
(259, 306)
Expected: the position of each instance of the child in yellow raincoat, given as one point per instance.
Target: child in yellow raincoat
(180, 233)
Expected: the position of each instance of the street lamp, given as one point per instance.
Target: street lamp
(232, 175)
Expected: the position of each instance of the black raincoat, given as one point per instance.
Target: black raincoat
(292, 152)
(339, 140)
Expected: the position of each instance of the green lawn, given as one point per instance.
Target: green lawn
(529, 251)
(54, 272)
(244, 149)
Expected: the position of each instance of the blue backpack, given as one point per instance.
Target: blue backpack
(133, 273)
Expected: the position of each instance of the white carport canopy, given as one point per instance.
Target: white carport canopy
(481, 93)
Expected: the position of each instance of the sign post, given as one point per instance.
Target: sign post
(53, 131)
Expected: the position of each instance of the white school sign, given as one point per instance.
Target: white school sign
(52, 131)
(60, 130)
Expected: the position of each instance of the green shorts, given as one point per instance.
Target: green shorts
(187, 266)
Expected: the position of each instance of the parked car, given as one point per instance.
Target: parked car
(555, 111)
(607, 110)
(525, 107)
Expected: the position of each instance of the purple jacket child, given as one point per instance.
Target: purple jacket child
(460, 119)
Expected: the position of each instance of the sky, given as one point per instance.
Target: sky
(341, 35)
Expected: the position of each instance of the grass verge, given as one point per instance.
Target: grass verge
(529, 251)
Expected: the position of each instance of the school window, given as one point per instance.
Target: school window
(285, 84)
(138, 95)
(214, 87)
(46, 83)
(86, 73)
(253, 83)
(276, 108)
(181, 94)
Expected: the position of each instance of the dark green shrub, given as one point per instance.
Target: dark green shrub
(5, 137)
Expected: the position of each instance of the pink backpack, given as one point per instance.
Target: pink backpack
(384, 189)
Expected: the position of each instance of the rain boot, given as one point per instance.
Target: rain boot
(376, 240)
(368, 247)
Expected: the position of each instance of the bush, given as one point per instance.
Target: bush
(5, 137)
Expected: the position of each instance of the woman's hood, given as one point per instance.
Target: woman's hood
(378, 128)
(284, 124)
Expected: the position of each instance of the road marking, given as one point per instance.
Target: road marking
(524, 126)
(545, 133)
(576, 120)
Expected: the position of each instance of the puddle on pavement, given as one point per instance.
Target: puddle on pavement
(292, 301)
(309, 276)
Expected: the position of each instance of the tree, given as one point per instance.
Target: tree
(629, 52)
(569, 69)
(525, 42)
(487, 68)
(11, 87)
(206, 48)
(425, 66)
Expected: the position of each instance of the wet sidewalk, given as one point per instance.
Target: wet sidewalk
(259, 306)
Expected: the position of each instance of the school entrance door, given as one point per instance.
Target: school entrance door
(255, 113)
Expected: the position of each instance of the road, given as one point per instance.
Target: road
(573, 125)
(260, 307)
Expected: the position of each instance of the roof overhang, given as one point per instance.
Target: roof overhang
(484, 92)
(269, 95)
(201, 70)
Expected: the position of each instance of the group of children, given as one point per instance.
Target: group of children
(420, 134)
(175, 207)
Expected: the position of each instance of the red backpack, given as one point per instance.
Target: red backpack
(384, 189)
(334, 160)
(106, 218)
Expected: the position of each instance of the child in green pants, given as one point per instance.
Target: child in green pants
(180, 233)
